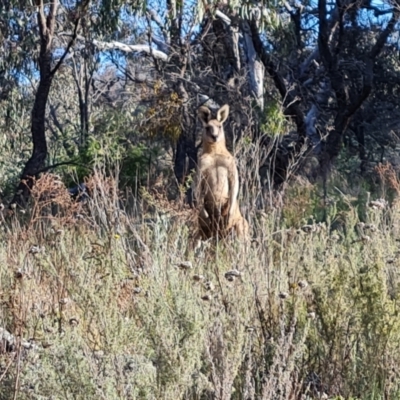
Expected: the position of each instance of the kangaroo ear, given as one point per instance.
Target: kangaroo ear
(204, 115)
(223, 113)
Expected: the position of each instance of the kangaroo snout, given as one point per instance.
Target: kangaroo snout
(211, 133)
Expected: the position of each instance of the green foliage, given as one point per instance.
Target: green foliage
(14, 143)
(138, 164)
(347, 196)
(273, 121)
(114, 143)
(135, 161)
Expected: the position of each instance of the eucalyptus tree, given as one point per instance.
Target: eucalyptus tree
(317, 61)
(33, 38)
(324, 65)
(200, 52)
(39, 23)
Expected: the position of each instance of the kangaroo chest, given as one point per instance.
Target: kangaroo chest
(215, 171)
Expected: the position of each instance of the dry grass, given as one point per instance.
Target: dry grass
(114, 313)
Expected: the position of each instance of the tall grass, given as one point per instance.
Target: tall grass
(120, 303)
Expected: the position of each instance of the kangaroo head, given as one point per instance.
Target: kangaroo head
(213, 129)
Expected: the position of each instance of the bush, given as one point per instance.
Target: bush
(113, 312)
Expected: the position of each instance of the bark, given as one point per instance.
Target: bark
(360, 136)
(83, 80)
(255, 66)
(186, 157)
(227, 31)
(186, 152)
(37, 160)
(127, 48)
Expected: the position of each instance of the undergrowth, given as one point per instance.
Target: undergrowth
(115, 302)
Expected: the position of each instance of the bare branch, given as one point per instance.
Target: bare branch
(57, 123)
(128, 48)
(315, 54)
(366, 90)
(377, 11)
(60, 164)
(368, 74)
(323, 35)
(291, 108)
(157, 19)
(255, 66)
(51, 17)
(162, 45)
(223, 17)
(71, 42)
(288, 6)
(384, 35)
(42, 20)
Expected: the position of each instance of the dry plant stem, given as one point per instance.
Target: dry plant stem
(16, 387)
(12, 359)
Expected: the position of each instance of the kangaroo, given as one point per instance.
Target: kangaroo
(216, 184)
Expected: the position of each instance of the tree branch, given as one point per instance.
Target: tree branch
(323, 36)
(256, 68)
(51, 17)
(385, 34)
(366, 90)
(340, 11)
(57, 123)
(223, 17)
(161, 45)
(368, 74)
(128, 48)
(377, 11)
(156, 18)
(71, 42)
(60, 164)
(292, 108)
(346, 111)
(42, 20)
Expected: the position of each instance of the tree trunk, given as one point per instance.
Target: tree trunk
(186, 157)
(186, 152)
(36, 163)
(37, 160)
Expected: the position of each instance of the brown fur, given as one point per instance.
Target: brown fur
(216, 184)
